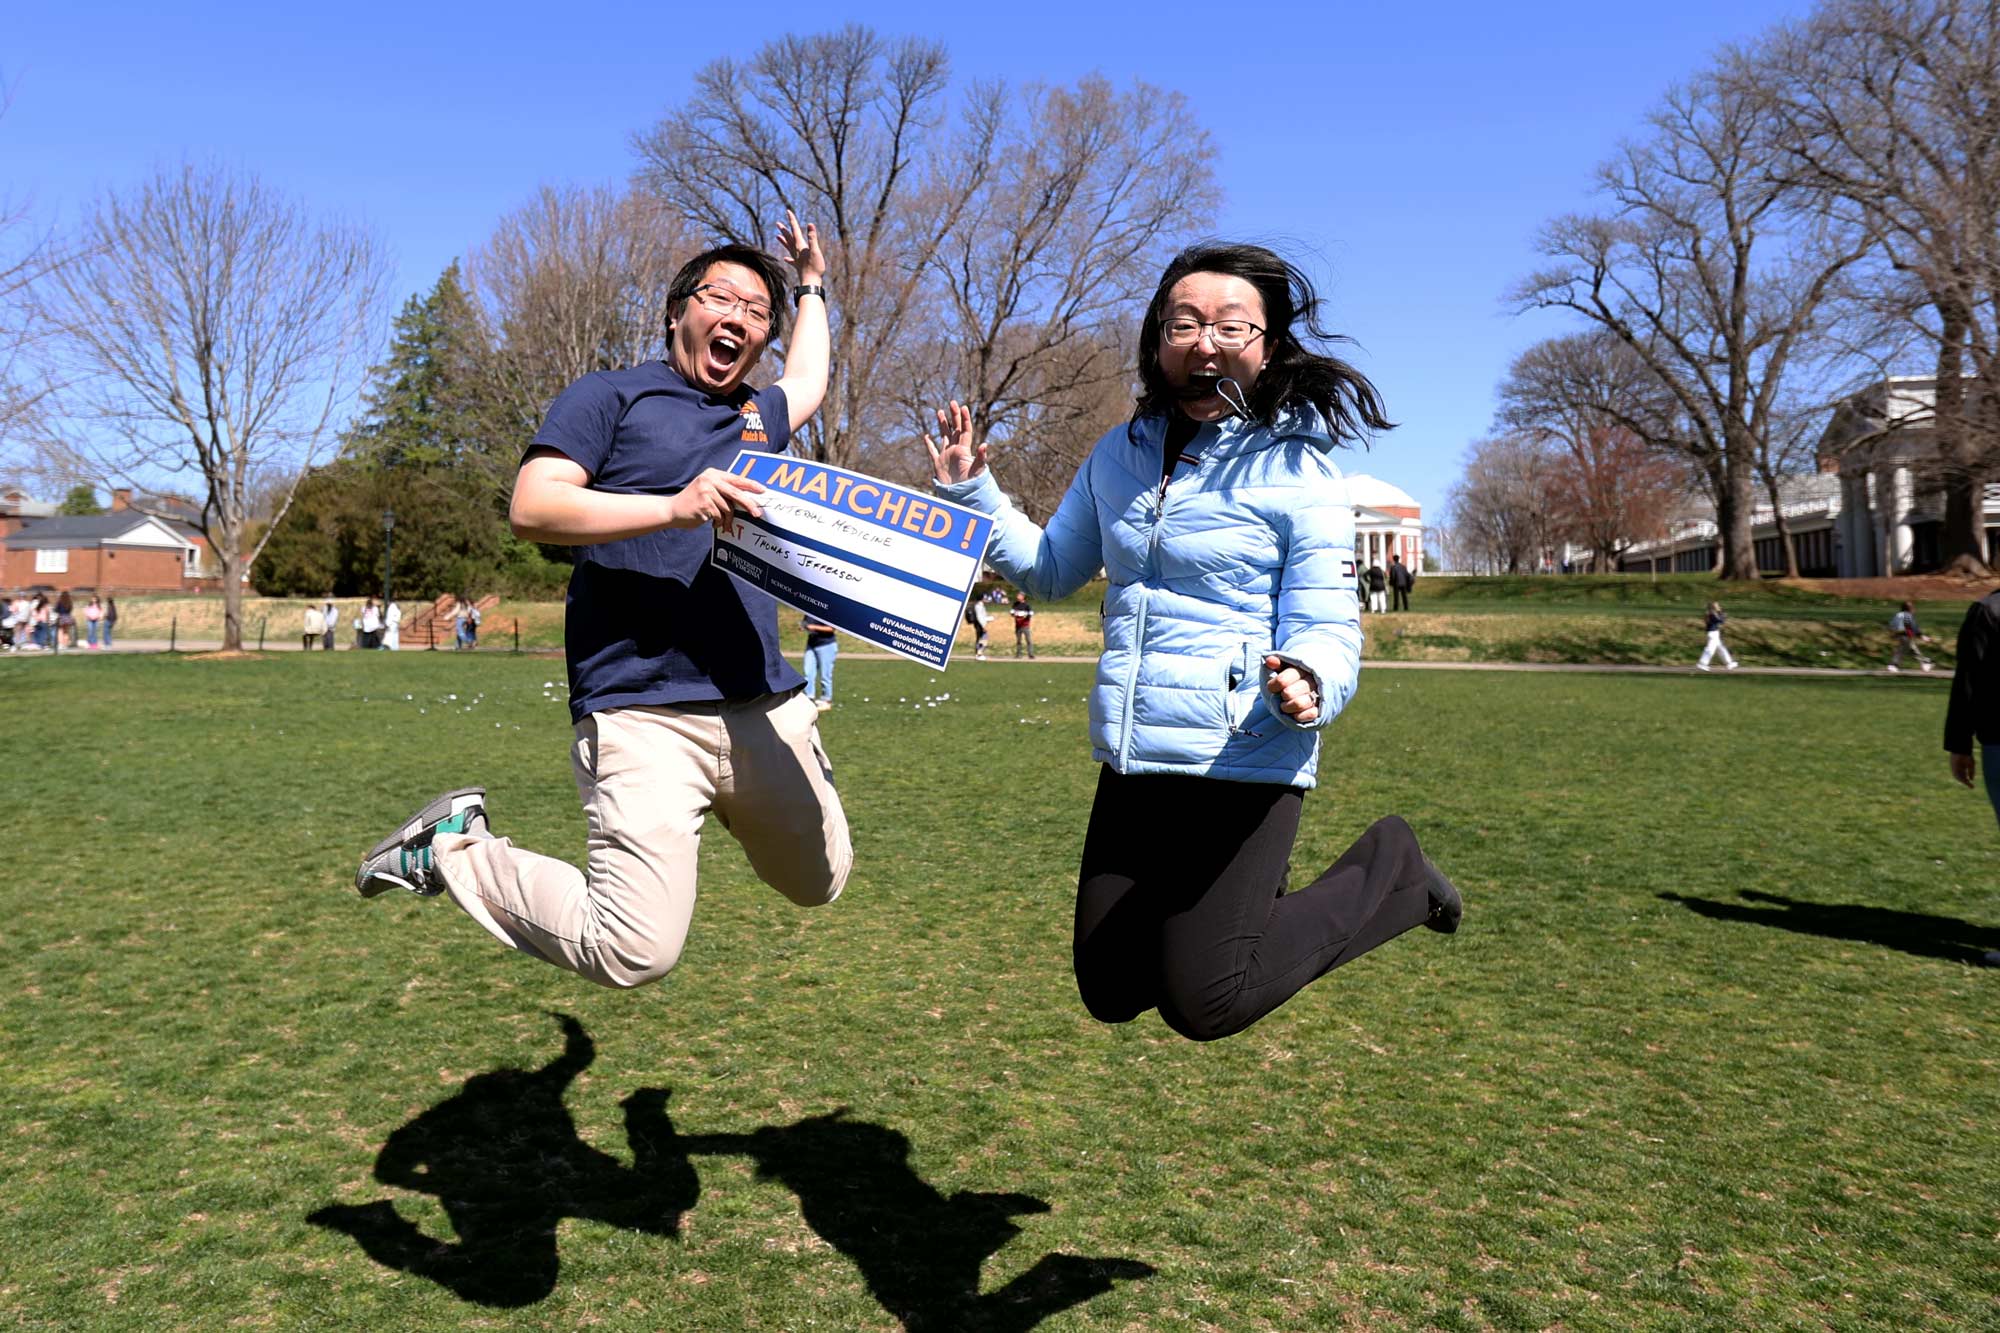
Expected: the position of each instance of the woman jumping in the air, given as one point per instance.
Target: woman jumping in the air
(1231, 636)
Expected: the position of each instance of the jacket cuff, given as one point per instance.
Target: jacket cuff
(980, 492)
(1319, 692)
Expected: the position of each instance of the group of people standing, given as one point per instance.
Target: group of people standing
(34, 622)
(377, 625)
(374, 625)
(1375, 585)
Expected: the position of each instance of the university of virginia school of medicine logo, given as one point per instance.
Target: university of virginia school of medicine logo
(753, 425)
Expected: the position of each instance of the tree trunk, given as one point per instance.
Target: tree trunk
(1785, 542)
(232, 600)
(1964, 538)
(1733, 504)
(1964, 545)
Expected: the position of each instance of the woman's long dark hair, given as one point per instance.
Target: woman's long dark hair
(1294, 373)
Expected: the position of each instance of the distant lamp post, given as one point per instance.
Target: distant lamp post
(388, 557)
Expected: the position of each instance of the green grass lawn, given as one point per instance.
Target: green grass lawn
(1612, 619)
(1641, 594)
(1708, 1053)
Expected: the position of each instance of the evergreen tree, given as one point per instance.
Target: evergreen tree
(431, 444)
(424, 404)
(81, 502)
(302, 557)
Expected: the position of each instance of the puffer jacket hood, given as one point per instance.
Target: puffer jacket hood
(1247, 552)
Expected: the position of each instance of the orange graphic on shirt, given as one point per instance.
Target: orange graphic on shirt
(753, 425)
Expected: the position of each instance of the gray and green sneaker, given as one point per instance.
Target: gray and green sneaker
(403, 860)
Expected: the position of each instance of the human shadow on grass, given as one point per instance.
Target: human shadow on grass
(1917, 933)
(503, 1158)
(919, 1251)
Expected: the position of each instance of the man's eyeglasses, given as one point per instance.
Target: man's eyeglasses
(721, 301)
(1227, 334)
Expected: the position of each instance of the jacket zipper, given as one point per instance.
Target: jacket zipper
(1131, 690)
(1146, 599)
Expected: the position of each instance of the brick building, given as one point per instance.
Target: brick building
(1387, 521)
(122, 551)
(16, 507)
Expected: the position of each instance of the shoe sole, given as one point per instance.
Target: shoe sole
(1448, 906)
(438, 808)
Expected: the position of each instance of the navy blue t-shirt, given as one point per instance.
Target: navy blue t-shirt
(650, 620)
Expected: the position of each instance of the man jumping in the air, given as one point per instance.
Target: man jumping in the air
(680, 699)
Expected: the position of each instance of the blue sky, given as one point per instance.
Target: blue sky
(1405, 156)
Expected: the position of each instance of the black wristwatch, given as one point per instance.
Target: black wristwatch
(806, 289)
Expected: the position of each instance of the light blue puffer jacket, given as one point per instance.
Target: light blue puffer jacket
(1248, 551)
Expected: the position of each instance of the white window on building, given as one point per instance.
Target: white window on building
(52, 560)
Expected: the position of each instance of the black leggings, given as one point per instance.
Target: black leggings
(1181, 902)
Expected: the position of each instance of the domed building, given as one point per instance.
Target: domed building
(1387, 521)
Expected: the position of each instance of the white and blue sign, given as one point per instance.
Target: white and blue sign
(891, 566)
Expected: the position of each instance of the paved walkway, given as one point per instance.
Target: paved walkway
(1001, 660)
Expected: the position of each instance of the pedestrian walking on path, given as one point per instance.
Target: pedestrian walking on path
(1024, 625)
(1909, 639)
(977, 616)
(1713, 623)
(1401, 580)
(822, 646)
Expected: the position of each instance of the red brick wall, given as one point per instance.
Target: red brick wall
(120, 569)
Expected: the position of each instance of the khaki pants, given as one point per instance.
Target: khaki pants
(648, 777)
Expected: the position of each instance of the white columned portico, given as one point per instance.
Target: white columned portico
(1902, 548)
(1878, 524)
(1857, 511)
(1843, 527)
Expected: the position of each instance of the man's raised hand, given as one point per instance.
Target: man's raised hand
(712, 496)
(957, 458)
(801, 248)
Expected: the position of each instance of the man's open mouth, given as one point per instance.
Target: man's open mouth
(723, 354)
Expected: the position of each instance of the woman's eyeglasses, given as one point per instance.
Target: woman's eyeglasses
(1227, 334)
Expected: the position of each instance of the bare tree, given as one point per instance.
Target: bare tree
(1055, 256)
(1714, 272)
(847, 129)
(1610, 488)
(574, 281)
(1500, 511)
(1049, 441)
(23, 385)
(1886, 110)
(26, 256)
(211, 329)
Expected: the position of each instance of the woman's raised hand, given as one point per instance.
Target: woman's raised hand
(957, 458)
(801, 247)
